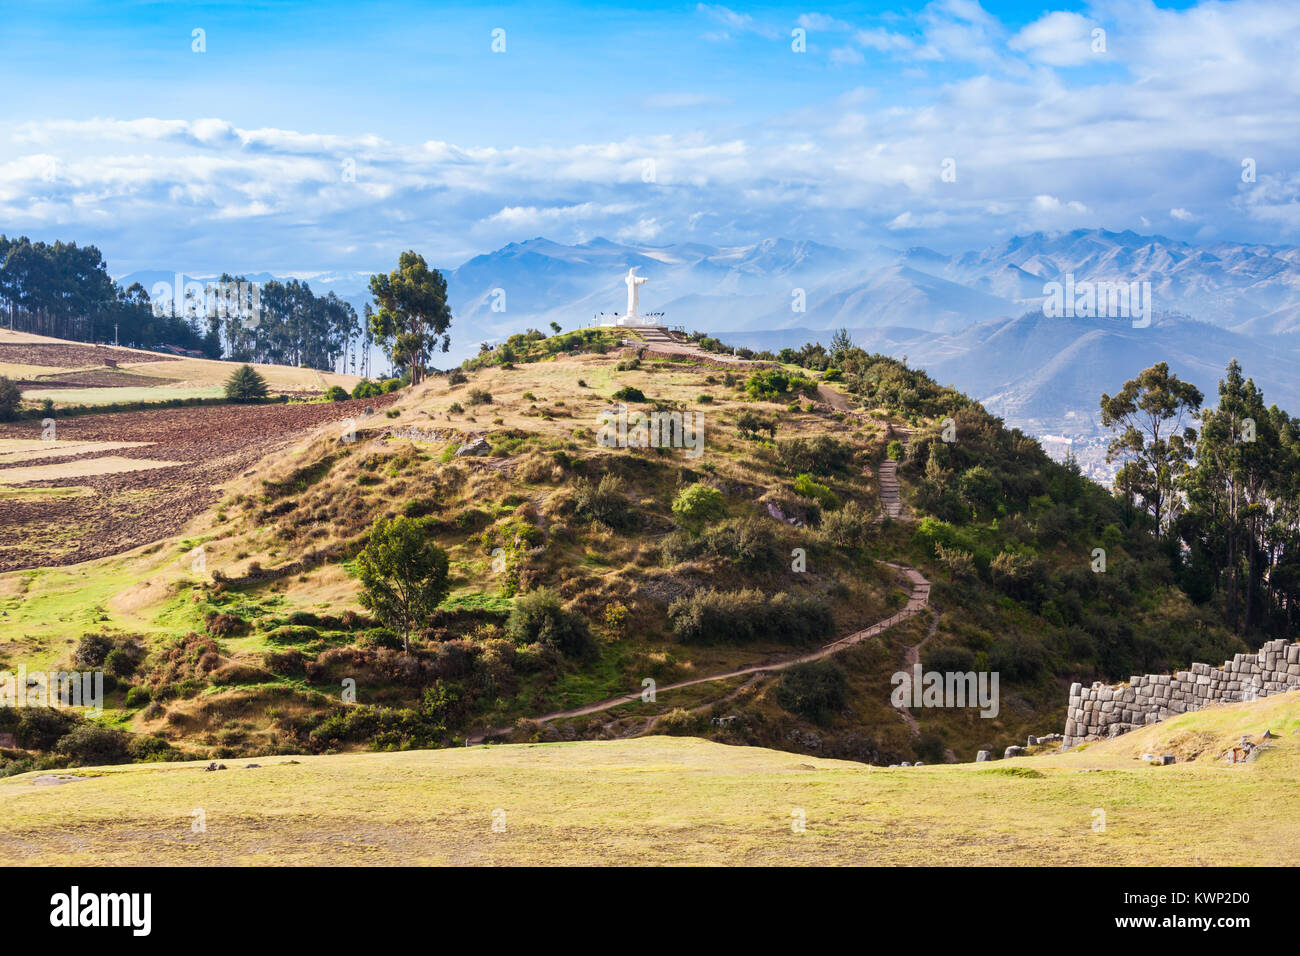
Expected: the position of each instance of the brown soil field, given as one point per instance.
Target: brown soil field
(95, 378)
(126, 509)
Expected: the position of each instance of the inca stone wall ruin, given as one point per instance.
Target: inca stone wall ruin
(1103, 710)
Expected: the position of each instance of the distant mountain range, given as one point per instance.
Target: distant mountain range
(974, 320)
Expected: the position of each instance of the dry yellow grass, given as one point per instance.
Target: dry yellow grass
(13, 451)
(665, 800)
(108, 465)
(182, 372)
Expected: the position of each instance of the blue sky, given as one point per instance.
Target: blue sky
(329, 136)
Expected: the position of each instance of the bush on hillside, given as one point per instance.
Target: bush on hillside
(697, 504)
(818, 455)
(10, 397)
(539, 617)
(774, 384)
(603, 501)
(848, 527)
(815, 691)
(336, 393)
(91, 650)
(808, 487)
(629, 393)
(90, 744)
(745, 616)
(750, 424)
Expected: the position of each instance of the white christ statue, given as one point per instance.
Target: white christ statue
(633, 295)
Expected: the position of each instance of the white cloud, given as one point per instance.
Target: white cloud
(1159, 129)
(822, 22)
(1057, 39)
(736, 22)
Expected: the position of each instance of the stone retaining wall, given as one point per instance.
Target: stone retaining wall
(1103, 710)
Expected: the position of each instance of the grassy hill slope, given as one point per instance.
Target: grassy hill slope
(247, 656)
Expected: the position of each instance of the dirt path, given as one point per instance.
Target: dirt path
(833, 398)
(910, 660)
(917, 602)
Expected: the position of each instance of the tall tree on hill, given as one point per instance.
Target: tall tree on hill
(1153, 442)
(1241, 466)
(413, 314)
(403, 574)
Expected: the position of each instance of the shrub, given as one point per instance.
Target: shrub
(679, 722)
(144, 747)
(808, 487)
(10, 397)
(704, 399)
(1016, 658)
(285, 663)
(603, 502)
(120, 663)
(92, 744)
(92, 650)
(749, 542)
(930, 747)
(138, 696)
(774, 383)
(478, 396)
(750, 423)
(293, 634)
(849, 527)
(696, 504)
(894, 452)
(225, 625)
(336, 393)
(366, 389)
(40, 728)
(980, 488)
(629, 393)
(815, 691)
(540, 618)
(960, 564)
(818, 455)
(245, 385)
(948, 659)
(710, 617)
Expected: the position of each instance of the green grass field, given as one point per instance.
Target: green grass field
(108, 396)
(667, 800)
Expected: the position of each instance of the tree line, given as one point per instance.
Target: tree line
(1215, 489)
(64, 290)
(1218, 487)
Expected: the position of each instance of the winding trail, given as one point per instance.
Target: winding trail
(917, 602)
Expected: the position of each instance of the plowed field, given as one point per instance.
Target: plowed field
(102, 514)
